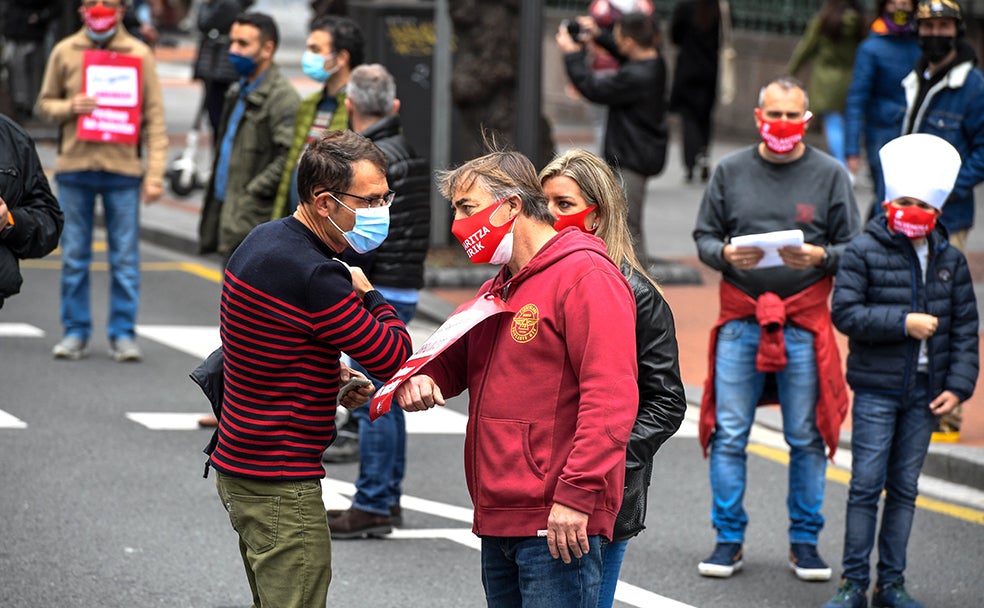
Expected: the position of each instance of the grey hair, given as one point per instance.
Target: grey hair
(372, 89)
(786, 83)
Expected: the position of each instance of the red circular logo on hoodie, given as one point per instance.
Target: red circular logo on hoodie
(525, 324)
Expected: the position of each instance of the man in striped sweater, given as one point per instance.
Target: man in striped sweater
(288, 310)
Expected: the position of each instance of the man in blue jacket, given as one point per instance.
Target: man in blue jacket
(945, 97)
(875, 99)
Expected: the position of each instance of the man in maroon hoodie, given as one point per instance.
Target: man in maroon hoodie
(552, 388)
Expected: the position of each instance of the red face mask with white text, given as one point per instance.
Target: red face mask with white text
(484, 242)
(911, 221)
(100, 18)
(781, 136)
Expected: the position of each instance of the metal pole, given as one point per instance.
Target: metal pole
(441, 110)
(528, 97)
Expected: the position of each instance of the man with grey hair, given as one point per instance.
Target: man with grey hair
(552, 391)
(396, 269)
(773, 340)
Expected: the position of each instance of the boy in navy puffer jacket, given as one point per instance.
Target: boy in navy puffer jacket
(905, 299)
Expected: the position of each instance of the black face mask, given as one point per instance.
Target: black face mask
(935, 48)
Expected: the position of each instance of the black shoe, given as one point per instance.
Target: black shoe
(807, 563)
(723, 562)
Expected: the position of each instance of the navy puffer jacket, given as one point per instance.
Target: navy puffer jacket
(878, 282)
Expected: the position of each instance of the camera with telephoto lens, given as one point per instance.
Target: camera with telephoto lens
(573, 28)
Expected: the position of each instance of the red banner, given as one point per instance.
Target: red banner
(465, 317)
(115, 82)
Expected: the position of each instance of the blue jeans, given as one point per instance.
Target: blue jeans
(382, 447)
(833, 128)
(889, 440)
(521, 572)
(612, 554)
(738, 387)
(121, 207)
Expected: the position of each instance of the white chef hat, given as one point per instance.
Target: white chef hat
(920, 166)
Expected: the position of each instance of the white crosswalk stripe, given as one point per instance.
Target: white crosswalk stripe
(9, 421)
(20, 330)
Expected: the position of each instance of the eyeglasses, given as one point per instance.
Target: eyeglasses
(384, 201)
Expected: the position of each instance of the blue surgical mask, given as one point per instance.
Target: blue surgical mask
(313, 66)
(100, 36)
(244, 64)
(370, 230)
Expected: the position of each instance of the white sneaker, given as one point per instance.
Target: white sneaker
(71, 347)
(125, 349)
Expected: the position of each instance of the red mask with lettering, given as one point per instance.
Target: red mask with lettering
(781, 136)
(577, 220)
(911, 221)
(483, 242)
(100, 18)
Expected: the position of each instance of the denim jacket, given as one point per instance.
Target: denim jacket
(954, 110)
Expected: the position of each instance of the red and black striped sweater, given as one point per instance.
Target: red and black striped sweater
(288, 310)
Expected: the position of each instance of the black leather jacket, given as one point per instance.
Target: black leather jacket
(37, 217)
(399, 261)
(662, 403)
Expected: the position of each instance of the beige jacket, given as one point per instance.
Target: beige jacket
(63, 80)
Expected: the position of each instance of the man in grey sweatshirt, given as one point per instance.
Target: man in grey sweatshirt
(775, 320)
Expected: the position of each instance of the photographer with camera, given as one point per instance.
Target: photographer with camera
(636, 132)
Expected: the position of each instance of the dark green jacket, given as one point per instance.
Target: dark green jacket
(259, 154)
(302, 126)
(833, 62)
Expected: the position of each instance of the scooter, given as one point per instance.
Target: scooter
(183, 174)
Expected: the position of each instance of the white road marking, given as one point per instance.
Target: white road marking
(198, 341)
(166, 421)
(20, 330)
(9, 421)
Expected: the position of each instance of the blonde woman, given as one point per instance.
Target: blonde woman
(582, 192)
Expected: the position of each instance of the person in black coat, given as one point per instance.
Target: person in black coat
(30, 219)
(905, 299)
(25, 27)
(396, 270)
(695, 30)
(636, 131)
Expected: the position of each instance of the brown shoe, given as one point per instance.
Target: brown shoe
(355, 523)
(396, 515)
(209, 421)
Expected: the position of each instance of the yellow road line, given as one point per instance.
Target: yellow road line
(844, 477)
(198, 270)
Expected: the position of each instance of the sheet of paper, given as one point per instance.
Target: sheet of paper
(770, 242)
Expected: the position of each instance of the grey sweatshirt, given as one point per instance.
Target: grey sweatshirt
(749, 195)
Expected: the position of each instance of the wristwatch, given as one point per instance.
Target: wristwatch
(8, 227)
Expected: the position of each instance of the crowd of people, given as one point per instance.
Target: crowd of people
(319, 209)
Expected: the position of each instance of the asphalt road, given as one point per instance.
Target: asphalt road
(99, 508)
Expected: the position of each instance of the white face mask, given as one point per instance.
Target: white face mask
(504, 251)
